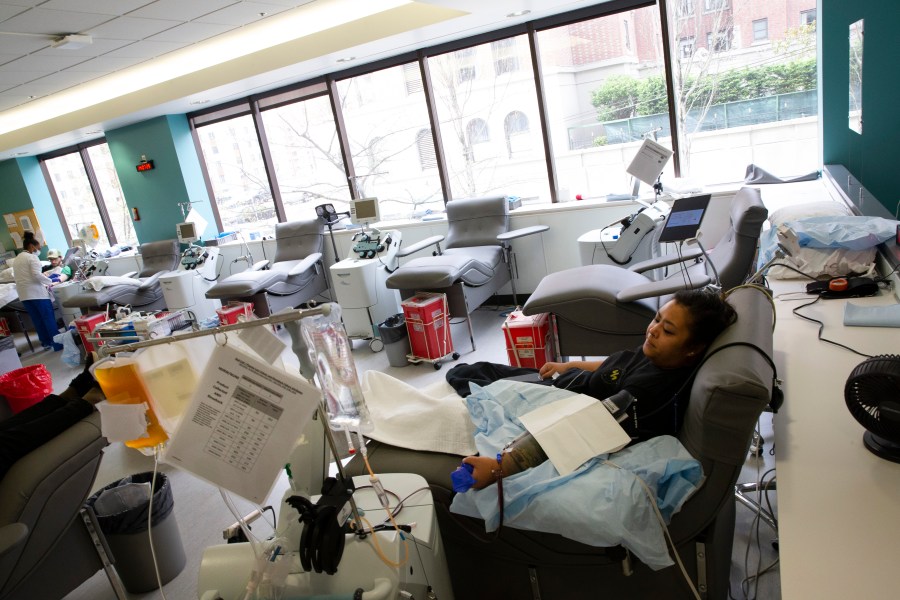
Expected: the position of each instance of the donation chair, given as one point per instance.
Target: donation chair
(474, 263)
(46, 548)
(599, 309)
(733, 385)
(296, 274)
(145, 293)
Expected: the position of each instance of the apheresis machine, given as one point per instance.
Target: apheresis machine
(248, 420)
(185, 288)
(359, 279)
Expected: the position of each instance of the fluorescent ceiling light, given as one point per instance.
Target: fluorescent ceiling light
(72, 41)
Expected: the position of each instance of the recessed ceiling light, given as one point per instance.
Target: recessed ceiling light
(263, 14)
(200, 101)
(518, 13)
(346, 59)
(32, 97)
(95, 132)
(20, 154)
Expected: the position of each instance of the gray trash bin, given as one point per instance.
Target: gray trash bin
(123, 523)
(396, 340)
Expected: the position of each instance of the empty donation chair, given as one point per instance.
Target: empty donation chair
(141, 290)
(46, 549)
(296, 274)
(732, 386)
(474, 263)
(600, 309)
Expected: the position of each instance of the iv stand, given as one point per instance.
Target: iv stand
(281, 317)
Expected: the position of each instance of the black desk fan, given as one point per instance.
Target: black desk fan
(872, 394)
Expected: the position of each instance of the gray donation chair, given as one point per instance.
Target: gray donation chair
(732, 387)
(157, 259)
(599, 309)
(46, 548)
(474, 263)
(296, 274)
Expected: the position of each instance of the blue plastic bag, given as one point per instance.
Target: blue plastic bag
(71, 355)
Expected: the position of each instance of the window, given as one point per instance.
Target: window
(515, 125)
(83, 202)
(718, 42)
(238, 176)
(393, 160)
(413, 77)
(425, 144)
(626, 34)
(769, 93)
(505, 58)
(303, 143)
(465, 68)
(808, 17)
(711, 5)
(684, 8)
(478, 168)
(686, 47)
(760, 30)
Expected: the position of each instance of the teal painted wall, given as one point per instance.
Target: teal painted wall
(157, 193)
(24, 188)
(871, 157)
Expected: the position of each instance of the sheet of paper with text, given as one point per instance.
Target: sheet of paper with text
(242, 423)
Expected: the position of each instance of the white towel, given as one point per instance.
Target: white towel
(434, 419)
(872, 316)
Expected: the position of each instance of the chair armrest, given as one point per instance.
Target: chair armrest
(130, 274)
(661, 288)
(668, 259)
(12, 536)
(517, 233)
(151, 281)
(259, 265)
(435, 239)
(305, 264)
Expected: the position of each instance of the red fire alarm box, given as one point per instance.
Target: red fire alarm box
(427, 321)
(528, 340)
(86, 325)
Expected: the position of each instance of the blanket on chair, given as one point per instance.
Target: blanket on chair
(602, 503)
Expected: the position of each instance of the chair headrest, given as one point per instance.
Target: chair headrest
(295, 240)
(476, 221)
(159, 256)
(748, 213)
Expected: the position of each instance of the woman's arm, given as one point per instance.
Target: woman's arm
(522, 453)
(551, 368)
(34, 267)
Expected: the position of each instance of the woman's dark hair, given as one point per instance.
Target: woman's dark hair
(28, 240)
(710, 312)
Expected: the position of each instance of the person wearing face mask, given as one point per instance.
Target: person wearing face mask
(56, 271)
(33, 288)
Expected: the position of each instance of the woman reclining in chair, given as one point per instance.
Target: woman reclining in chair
(654, 373)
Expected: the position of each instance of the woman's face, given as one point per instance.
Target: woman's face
(667, 343)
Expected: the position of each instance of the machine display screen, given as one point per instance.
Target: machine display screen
(364, 210)
(685, 218)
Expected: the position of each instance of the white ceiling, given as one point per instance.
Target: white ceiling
(154, 57)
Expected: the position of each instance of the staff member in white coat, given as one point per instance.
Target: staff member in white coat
(31, 285)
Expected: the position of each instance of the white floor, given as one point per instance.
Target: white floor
(201, 513)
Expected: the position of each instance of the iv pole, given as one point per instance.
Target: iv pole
(281, 317)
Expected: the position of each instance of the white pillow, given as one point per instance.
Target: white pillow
(99, 282)
(823, 208)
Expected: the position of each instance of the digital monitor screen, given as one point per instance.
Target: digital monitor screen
(364, 210)
(187, 232)
(685, 218)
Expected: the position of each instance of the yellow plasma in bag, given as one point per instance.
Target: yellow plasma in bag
(122, 384)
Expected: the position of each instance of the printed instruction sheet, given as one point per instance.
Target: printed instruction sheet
(242, 423)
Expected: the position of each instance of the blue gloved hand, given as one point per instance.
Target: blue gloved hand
(462, 478)
(55, 278)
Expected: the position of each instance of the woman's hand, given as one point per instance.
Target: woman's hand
(484, 470)
(553, 368)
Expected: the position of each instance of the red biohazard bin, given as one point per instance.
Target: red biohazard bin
(427, 321)
(86, 326)
(528, 340)
(26, 386)
(229, 314)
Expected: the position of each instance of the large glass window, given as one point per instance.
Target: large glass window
(603, 98)
(113, 198)
(740, 102)
(389, 133)
(307, 157)
(238, 176)
(497, 90)
(83, 205)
